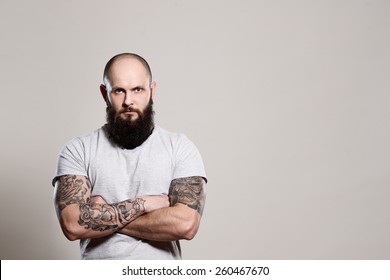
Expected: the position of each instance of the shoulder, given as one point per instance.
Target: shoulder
(174, 138)
(181, 145)
(187, 161)
(92, 135)
(83, 141)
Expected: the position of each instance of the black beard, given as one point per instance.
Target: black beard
(127, 133)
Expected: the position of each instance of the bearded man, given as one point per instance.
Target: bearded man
(130, 189)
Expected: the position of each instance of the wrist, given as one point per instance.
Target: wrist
(154, 202)
(130, 210)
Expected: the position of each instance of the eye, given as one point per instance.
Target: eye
(119, 91)
(138, 89)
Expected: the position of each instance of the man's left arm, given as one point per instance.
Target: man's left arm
(179, 221)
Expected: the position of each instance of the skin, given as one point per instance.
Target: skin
(128, 90)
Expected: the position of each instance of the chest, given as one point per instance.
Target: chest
(120, 174)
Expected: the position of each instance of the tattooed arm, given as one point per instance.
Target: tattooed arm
(180, 221)
(81, 217)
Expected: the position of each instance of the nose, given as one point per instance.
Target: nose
(128, 101)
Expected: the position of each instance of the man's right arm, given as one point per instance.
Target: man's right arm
(81, 218)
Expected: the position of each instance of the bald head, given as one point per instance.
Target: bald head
(131, 56)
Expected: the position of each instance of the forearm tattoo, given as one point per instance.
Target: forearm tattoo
(100, 217)
(188, 191)
(97, 217)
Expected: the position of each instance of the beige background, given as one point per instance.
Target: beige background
(288, 102)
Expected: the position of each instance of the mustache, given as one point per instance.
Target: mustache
(124, 110)
(130, 109)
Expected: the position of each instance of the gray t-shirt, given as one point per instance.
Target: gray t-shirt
(118, 174)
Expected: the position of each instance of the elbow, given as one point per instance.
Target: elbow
(190, 234)
(189, 229)
(70, 236)
(68, 220)
(71, 232)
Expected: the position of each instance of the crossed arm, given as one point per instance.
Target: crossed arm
(149, 217)
(180, 221)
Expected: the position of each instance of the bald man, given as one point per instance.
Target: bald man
(130, 189)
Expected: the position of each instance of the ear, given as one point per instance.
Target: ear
(153, 89)
(103, 91)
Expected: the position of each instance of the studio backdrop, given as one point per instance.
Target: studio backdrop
(287, 101)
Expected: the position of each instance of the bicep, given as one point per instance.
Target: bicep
(189, 191)
(71, 190)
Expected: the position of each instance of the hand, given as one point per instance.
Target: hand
(154, 202)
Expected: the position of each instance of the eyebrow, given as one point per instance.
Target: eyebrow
(132, 88)
(141, 87)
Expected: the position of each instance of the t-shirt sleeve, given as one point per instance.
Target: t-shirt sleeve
(188, 161)
(71, 160)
